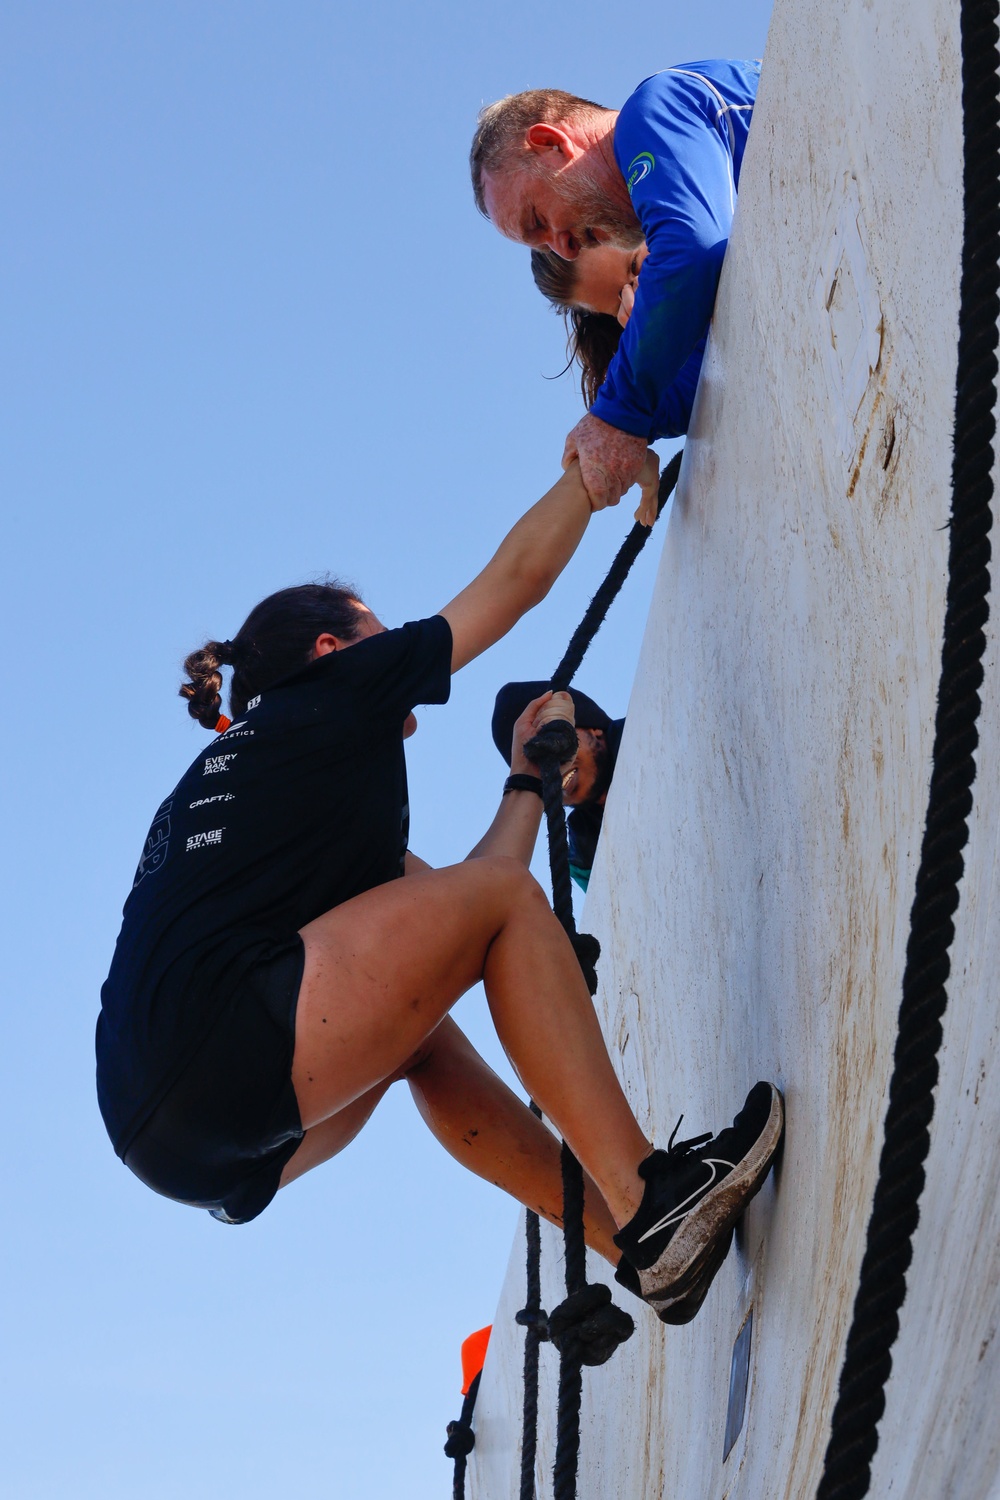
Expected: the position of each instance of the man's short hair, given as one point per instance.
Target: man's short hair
(499, 138)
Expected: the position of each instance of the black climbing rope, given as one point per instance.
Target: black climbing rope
(619, 570)
(586, 1327)
(462, 1439)
(895, 1210)
(536, 1325)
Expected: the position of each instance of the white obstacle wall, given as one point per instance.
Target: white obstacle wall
(754, 881)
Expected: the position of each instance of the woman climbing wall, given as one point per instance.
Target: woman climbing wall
(273, 976)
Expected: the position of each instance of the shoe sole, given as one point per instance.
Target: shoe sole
(689, 1252)
(679, 1309)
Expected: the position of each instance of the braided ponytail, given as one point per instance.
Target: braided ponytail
(203, 690)
(275, 640)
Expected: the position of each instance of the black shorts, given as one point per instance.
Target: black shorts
(221, 1137)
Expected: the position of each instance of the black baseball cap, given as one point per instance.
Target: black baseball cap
(514, 697)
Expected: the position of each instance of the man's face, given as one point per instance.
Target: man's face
(562, 207)
(580, 783)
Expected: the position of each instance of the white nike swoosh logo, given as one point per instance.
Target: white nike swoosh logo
(682, 1210)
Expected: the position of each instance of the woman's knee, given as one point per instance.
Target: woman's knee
(508, 881)
(417, 1059)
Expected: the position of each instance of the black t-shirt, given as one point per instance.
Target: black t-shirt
(299, 806)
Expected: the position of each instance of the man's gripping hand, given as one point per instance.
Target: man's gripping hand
(537, 714)
(610, 460)
(649, 482)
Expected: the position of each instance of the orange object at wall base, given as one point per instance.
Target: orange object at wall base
(474, 1355)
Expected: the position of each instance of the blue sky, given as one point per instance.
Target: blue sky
(255, 331)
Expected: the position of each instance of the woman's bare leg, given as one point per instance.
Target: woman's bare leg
(383, 970)
(486, 1127)
(330, 1136)
(480, 1122)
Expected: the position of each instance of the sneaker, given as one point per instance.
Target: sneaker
(695, 1192)
(671, 1309)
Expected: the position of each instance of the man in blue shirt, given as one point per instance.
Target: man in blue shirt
(551, 169)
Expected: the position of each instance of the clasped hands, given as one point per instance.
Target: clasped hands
(611, 462)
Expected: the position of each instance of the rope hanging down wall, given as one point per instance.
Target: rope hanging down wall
(586, 1327)
(895, 1211)
(462, 1439)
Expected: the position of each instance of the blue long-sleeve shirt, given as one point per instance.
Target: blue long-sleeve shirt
(679, 143)
(673, 410)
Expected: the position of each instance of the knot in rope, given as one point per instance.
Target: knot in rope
(461, 1440)
(557, 739)
(588, 1326)
(537, 1319)
(588, 951)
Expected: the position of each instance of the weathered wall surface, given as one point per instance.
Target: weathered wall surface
(754, 882)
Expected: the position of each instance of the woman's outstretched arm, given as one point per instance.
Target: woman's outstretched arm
(525, 566)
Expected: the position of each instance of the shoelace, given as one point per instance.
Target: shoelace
(684, 1148)
(676, 1151)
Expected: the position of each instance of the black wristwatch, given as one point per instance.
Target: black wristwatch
(522, 783)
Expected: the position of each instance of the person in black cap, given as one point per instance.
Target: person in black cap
(586, 782)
